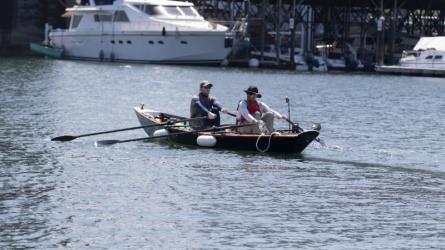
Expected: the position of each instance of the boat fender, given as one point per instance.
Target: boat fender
(206, 141)
(161, 132)
(101, 55)
(163, 31)
(253, 63)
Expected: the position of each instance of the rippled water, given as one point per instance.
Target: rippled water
(380, 183)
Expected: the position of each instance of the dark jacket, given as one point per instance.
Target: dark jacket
(200, 106)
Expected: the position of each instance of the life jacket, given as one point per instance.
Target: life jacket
(252, 108)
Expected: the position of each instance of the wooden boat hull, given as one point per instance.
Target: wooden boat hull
(284, 143)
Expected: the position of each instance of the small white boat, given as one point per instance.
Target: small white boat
(429, 53)
(150, 31)
(426, 59)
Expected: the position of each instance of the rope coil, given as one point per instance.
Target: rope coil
(268, 143)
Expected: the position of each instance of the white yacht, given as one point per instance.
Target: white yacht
(151, 31)
(429, 53)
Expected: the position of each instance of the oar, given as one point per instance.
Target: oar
(111, 142)
(302, 130)
(72, 137)
(231, 114)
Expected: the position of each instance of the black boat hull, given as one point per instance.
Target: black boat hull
(276, 144)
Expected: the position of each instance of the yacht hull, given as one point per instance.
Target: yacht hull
(144, 47)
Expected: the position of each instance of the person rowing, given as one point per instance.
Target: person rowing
(204, 104)
(252, 111)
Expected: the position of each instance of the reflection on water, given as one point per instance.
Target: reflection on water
(378, 185)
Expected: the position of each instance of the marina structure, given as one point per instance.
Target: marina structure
(359, 33)
(368, 32)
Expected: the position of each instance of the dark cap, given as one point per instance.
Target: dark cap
(253, 90)
(205, 83)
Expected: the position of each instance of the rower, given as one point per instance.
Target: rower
(252, 111)
(205, 105)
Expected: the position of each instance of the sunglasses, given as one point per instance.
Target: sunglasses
(251, 93)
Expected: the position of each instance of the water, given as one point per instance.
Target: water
(380, 183)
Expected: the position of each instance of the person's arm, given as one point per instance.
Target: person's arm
(199, 105)
(219, 106)
(196, 103)
(244, 112)
(266, 109)
(216, 104)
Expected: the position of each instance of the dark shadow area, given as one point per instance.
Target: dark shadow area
(6, 15)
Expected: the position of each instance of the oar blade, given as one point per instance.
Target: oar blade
(64, 138)
(106, 142)
(322, 143)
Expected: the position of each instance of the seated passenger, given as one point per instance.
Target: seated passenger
(252, 111)
(205, 105)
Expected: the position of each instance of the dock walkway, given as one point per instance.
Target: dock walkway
(410, 71)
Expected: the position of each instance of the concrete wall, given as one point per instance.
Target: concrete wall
(23, 21)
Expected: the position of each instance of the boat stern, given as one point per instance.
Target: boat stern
(146, 117)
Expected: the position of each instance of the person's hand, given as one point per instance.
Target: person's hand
(262, 127)
(211, 116)
(224, 110)
(283, 117)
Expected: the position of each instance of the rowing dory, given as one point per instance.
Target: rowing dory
(284, 142)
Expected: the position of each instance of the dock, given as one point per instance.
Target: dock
(398, 70)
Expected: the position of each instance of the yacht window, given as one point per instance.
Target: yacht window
(438, 57)
(161, 42)
(152, 10)
(150, 42)
(104, 2)
(172, 10)
(129, 42)
(121, 16)
(188, 11)
(112, 41)
(149, 9)
(429, 57)
(183, 42)
(139, 6)
(76, 21)
(103, 18)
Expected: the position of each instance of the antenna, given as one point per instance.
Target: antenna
(288, 110)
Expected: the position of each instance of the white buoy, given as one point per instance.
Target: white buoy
(254, 63)
(206, 141)
(160, 132)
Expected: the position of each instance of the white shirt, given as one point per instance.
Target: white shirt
(243, 112)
